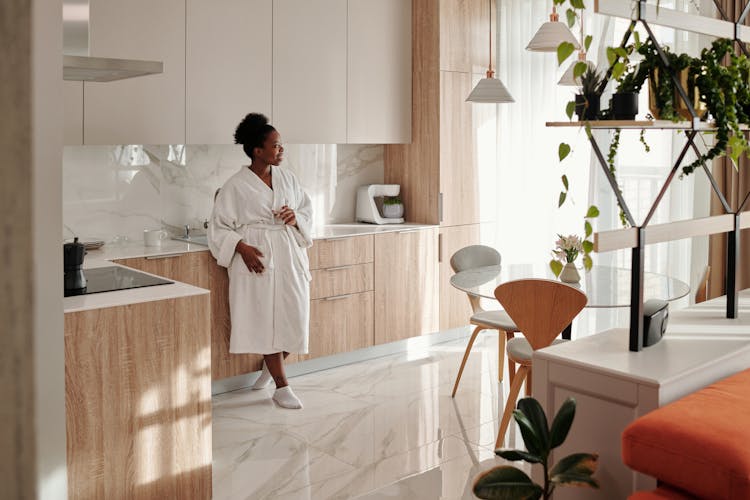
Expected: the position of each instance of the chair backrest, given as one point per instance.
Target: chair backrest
(474, 256)
(540, 308)
(701, 294)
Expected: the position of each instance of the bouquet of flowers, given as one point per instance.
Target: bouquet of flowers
(568, 247)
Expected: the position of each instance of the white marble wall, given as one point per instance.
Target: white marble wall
(114, 192)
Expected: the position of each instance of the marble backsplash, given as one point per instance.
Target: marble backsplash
(113, 193)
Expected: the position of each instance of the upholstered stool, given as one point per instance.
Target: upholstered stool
(699, 444)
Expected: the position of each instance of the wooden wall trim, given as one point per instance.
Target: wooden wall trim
(17, 442)
(415, 165)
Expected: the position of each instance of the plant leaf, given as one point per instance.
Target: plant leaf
(577, 4)
(576, 469)
(563, 52)
(565, 182)
(562, 422)
(588, 263)
(563, 150)
(578, 70)
(571, 15)
(561, 199)
(570, 109)
(621, 52)
(637, 39)
(587, 42)
(506, 483)
(556, 267)
(593, 212)
(611, 55)
(534, 412)
(588, 246)
(587, 228)
(515, 455)
(530, 438)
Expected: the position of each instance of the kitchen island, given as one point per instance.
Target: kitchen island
(138, 392)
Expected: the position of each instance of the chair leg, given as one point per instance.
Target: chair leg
(466, 356)
(511, 364)
(501, 354)
(510, 404)
(528, 383)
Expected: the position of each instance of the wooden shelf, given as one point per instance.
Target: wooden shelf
(669, 18)
(639, 124)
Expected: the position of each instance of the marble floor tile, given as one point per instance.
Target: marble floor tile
(382, 428)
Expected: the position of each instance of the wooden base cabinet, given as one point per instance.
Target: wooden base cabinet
(406, 284)
(138, 400)
(339, 324)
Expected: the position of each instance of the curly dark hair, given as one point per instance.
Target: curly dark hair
(252, 132)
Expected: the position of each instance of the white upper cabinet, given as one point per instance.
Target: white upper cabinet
(149, 109)
(229, 66)
(309, 70)
(379, 72)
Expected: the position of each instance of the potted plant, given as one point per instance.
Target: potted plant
(588, 99)
(393, 207)
(574, 470)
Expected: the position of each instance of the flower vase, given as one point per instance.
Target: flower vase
(570, 274)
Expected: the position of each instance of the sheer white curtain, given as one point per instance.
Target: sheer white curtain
(528, 172)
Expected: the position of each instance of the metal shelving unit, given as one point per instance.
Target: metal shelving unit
(638, 236)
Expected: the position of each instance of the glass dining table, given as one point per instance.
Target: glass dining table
(604, 286)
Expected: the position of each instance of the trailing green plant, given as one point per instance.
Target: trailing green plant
(508, 482)
(724, 90)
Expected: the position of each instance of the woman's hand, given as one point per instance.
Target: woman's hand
(251, 256)
(287, 216)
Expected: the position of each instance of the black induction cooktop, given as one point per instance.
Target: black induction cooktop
(108, 279)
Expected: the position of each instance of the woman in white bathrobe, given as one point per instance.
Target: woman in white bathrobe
(259, 230)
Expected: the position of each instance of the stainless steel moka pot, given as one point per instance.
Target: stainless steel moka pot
(73, 265)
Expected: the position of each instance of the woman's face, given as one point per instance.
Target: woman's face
(272, 152)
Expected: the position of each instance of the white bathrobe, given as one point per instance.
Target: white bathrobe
(270, 311)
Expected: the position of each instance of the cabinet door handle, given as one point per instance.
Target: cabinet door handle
(440, 207)
(339, 297)
(338, 268)
(165, 256)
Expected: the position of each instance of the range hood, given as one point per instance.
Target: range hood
(79, 66)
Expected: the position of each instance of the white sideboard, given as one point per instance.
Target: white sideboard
(614, 386)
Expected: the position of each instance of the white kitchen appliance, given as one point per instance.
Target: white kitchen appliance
(368, 210)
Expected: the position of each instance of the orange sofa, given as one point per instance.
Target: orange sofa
(697, 446)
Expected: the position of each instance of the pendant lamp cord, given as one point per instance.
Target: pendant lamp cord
(490, 33)
(490, 73)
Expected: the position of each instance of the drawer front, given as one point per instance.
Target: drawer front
(341, 252)
(340, 324)
(341, 280)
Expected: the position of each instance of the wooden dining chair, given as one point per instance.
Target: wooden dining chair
(472, 257)
(701, 294)
(541, 309)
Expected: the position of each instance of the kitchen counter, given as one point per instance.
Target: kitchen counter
(110, 252)
(326, 232)
(116, 298)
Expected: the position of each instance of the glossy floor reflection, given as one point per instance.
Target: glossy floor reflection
(385, 428)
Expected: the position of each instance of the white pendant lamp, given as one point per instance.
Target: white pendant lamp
(567, 79)
(490, 89)
(551, 34)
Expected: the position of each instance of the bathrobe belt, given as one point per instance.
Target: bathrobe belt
(297, 250)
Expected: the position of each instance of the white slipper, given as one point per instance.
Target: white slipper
(286, 398)
(264, 379)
